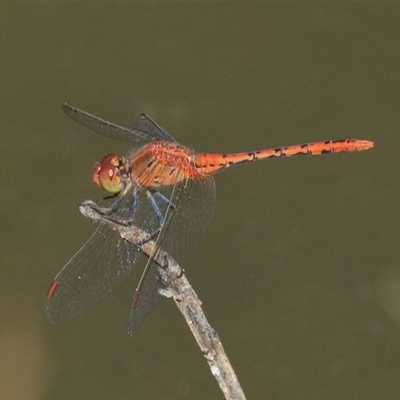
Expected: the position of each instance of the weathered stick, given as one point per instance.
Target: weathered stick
(178, 287)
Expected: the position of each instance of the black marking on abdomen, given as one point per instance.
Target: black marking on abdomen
(253, 155)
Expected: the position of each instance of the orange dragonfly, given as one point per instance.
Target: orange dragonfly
(167, 191)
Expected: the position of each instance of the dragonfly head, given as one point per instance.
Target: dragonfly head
(107, 173)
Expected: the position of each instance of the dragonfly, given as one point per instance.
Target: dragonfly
(166, 190)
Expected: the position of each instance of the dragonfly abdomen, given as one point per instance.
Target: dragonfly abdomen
(211, 163)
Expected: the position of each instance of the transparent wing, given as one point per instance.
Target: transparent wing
(147, 124)
(148, 297)
(147, 131)
(186, 217)
(195, 202)
(185, 210)
(95, 270)
(175, 217)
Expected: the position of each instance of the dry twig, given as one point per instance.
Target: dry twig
(178, 287)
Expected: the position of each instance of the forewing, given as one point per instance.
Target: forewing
(148, 296)
(94, 271)
(107, 128)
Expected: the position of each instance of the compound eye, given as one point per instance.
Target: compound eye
(95, 174)
(106, 173)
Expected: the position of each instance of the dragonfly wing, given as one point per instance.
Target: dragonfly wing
(148, 295)
(186, 209)
(95, 270)
(195, 201)
(147, 124)
(106, 128)
(106, 259)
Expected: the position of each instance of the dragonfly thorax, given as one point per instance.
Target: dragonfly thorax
(161, 163)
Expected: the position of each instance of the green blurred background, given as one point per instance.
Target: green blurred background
(299, 272)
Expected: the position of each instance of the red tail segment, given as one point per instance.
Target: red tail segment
(211, 163)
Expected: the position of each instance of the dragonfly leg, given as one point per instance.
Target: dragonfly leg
(132, 208)
(160, 217)
(163, 198)
(155, 207)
